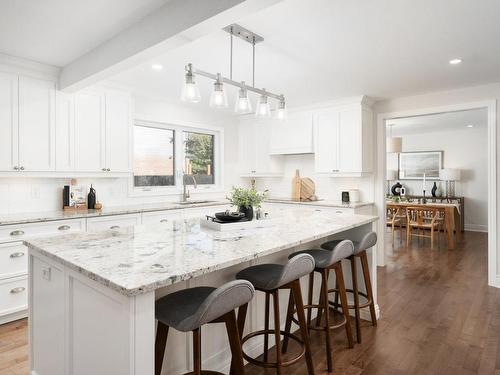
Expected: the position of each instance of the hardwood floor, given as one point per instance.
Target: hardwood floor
(438, 316)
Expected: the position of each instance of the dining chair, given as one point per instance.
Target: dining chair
(393, 218)
(421, 219)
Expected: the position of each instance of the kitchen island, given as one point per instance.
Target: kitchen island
(92, 295)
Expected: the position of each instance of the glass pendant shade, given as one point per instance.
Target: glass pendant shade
(281, 112)
(218, 99)
(243, 104)
(190, 90)
(263, 107)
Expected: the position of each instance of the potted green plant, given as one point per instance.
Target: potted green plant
(246, 200)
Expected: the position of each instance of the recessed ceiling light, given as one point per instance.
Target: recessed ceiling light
(157, 67)
(470, 126)
(455, 61)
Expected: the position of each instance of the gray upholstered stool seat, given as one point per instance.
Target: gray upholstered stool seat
(369, 240)
(325, 258)
(270, 278)
(189, 309)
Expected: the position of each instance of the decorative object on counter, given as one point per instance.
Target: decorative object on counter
(307, 189)
(91, 198)
(402, 191)
(345, 197)
(220, 226)
(392, 175)
(229, 217)
(246, 200)
(98, 206)
(434, 190)
(354, 196)
(396, 189)
(74, 197)
(218, 99)
(296, 184)
(414, 165)
(450, 175)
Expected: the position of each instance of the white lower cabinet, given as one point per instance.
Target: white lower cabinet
(13, 260)
(112, 222)
(13, 298)
(166, 216)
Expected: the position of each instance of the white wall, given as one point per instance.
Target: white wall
(19, 195)
(489, 92)
(465, 149)
(326, 187)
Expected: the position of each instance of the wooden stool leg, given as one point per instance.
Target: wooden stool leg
(266, 327)
(242, 315)
(354, 273)
(235, 344)
(343, 301)
(310, 297)
(277, 327)
(368, 285)
(288, 325)
(324, 299)
(297, 296)
(160, 344)
(336, 292)
(197, 352)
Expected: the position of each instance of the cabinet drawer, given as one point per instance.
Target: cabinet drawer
(112, 222)
(13, 260)
(161, 216)
(11, 233)
(13, 295)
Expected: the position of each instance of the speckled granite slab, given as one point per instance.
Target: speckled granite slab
(140, 259)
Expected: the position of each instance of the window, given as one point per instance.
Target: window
(199, 157)
(154, 159)
(166, 155)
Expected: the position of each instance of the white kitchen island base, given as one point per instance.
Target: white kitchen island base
(80, 326)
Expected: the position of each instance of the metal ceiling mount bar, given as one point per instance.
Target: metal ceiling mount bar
(236, 84)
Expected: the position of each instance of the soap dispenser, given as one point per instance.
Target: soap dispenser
(91, 198)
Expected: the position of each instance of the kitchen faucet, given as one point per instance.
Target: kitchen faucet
(185, 192)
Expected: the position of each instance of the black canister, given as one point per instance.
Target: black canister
(91, 198)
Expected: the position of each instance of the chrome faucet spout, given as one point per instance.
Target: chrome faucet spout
(185, 192)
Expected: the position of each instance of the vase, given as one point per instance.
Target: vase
(434, 189)
(248, 211)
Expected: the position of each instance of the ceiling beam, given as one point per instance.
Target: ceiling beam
(176, 23)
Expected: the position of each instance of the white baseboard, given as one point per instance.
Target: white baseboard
(496, 282)
(476, 228)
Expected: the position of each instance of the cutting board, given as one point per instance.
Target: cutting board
(307, 189)
(296, 186)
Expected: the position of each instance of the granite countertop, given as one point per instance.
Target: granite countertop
(36, 217)
(321, 202)
(143, 258)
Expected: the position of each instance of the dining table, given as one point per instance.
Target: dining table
(452, 216)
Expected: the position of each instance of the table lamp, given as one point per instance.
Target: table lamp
(449, 175)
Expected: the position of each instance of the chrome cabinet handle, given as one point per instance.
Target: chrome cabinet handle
(108, 170)
(64, 227)
(114, 227)
(19, 289)
(163, 220)
(21, 168)
(104, 169)
(17, 254)
(16, 168)
(17, 233)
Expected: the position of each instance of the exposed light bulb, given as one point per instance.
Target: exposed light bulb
(243, 104)
(218, 99)
(281, 112)
(455, 61)
(263, 107)
(190, 90)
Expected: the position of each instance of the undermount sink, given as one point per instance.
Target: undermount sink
(195, 202)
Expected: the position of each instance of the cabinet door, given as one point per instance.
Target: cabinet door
(89, 132)
(292, 136)
(8, 122)
(247, 148)
(264, 162)
(112, 222)
(36, 124)
(326, 141)
(350, 152)
(118, 132)
(65, 132)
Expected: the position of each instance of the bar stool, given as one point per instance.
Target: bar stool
(326, 261)
(369, 240)
(189, 309)
(270, 278)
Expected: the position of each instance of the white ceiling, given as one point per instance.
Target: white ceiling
(327, 49)
(56, 32)
(441, 122)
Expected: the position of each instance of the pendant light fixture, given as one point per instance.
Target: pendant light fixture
(394, 145)
(218, 99)
(190, 91)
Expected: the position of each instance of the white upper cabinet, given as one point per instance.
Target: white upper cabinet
(89, 132)
(65, 131)
(255, 158)
(8, 122)
(36, 125)
(118, 128)
(294, 135)
(343, 137)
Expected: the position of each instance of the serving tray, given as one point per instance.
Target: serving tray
(237, 225)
